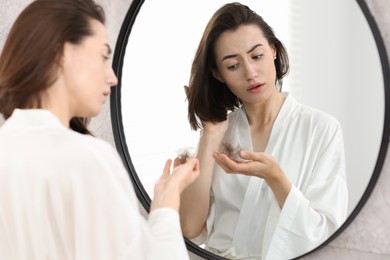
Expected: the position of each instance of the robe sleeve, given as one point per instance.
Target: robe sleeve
(313, 213)
(104, 220)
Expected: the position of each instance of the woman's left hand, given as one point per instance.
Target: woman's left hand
(261, 165)
(256, 164)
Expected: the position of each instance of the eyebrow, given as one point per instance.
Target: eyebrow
(235, 55)
(108, 48)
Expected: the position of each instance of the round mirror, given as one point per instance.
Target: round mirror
(338, 64)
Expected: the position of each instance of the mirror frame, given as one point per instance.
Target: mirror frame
(121, 145)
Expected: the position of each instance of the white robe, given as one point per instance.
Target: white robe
(64, 195)
(245, 220)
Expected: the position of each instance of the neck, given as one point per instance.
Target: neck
(64, 117)
(264, 113)
(56, 102)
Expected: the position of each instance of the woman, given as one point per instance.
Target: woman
(65, 195)
(285, 191)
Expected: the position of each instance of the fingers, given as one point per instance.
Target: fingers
(177, 162)
(197, 165)
(190, 165)
(224, 161)
(183, 160)
(186, 173)
(258, 164)
(194, 163)
(252, 156)
(231, 166)
(194, 169)
(167, 168)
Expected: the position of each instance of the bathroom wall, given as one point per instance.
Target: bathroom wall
(368, 237)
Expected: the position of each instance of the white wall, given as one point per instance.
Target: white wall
(335, 67)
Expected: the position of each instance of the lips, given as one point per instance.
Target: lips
(105, 95)
(253, 88)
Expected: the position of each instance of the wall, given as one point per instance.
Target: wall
(367, 237)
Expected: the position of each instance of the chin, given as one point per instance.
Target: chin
(89, 114)
(94, 113)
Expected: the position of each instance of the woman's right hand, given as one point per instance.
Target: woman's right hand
(215, 129)
(169, 186)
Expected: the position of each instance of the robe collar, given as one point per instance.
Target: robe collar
(34, 118)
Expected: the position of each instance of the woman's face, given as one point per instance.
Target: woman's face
(87, 74)
(245, 62)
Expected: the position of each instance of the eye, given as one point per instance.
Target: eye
(233, 67)
(105, 58)
(257, 57)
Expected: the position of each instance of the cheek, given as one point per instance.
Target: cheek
(79, 73)
(268, 68)
(90, 74)
(232, 77)
(273, 70)
(234, 81)
(234, 87)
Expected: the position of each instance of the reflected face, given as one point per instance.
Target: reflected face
(87, 73)
(245, 62)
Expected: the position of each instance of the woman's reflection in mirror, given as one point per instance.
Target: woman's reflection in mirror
(65, 194)
(288, 192)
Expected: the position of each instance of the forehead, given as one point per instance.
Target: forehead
(241, 39)
(99, 32)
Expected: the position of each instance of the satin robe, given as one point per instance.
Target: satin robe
(64, 195)
(245, 220)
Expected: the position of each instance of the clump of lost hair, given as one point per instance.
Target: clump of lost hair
(232, 151)
(185, 153)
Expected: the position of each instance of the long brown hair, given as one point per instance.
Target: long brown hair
(30, 58)
(207, 99)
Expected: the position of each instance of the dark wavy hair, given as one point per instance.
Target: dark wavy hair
(30, 58)
(207, 100)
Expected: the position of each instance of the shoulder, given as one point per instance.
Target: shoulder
(97, 147)
(312, 117)
(88, 162)
(86, 143)
(89, 142)
(89, 153)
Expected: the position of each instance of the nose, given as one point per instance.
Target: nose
(250, 70)
(112, 80)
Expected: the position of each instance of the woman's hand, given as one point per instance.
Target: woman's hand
(256, 164)
(169, 186)
(260, 165)
(216, 130)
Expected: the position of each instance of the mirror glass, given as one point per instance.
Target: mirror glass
(334, 66)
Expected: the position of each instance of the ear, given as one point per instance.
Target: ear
(65, 60)
(274, 51)
(217, 76)
(65, 57)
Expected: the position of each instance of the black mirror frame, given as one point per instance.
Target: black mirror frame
(121, 145)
